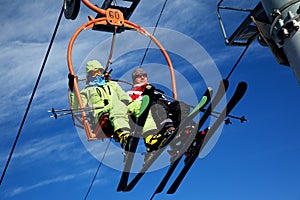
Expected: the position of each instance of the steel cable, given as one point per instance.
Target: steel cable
(32, 96)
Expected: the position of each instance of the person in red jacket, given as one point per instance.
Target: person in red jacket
(152, 142)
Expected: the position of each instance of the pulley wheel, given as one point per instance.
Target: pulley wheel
(71, 8)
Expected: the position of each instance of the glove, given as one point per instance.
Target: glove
(149, 90)
(107, 75)
(71, 78)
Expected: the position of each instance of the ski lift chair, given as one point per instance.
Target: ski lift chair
(114, 18)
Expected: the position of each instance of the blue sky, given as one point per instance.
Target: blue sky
(258, 159)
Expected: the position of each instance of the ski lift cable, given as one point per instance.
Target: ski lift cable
(160, 14)
(237, 62)
(98, 169)
(32, 95)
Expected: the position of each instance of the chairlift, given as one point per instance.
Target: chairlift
(109, 19)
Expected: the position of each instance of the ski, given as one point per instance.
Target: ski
(156, 154)
(129, 156)
(237, 96)
(187, 140)
(190, 117)
(166, 178)
(223, 86)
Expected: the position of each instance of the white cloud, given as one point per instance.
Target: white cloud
(22, 189)
(40, 148)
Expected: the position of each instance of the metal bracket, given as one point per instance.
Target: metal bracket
(247, 31)
(127, 12)
(265, 39)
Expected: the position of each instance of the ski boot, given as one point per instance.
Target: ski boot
(154, 142)
(124, 137)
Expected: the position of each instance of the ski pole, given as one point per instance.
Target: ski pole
(57, 113)
(60, 114)
(74, 109)
(242, 118)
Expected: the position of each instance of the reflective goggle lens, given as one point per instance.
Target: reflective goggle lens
(140, 74)
(97, 72)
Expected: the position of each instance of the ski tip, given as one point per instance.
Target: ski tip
(225, 82)
(171, 191)
(121, 188)
(208, 92)
(243, 85)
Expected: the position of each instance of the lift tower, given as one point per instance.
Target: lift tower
(284, 30)
(275, 23)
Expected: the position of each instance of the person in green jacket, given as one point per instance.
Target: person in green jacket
(106, 96)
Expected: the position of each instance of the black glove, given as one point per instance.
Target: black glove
(107, 75)
(149, 90)
(71, 78)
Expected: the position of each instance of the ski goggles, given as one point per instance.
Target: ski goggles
(140, 74)
(96, 72)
